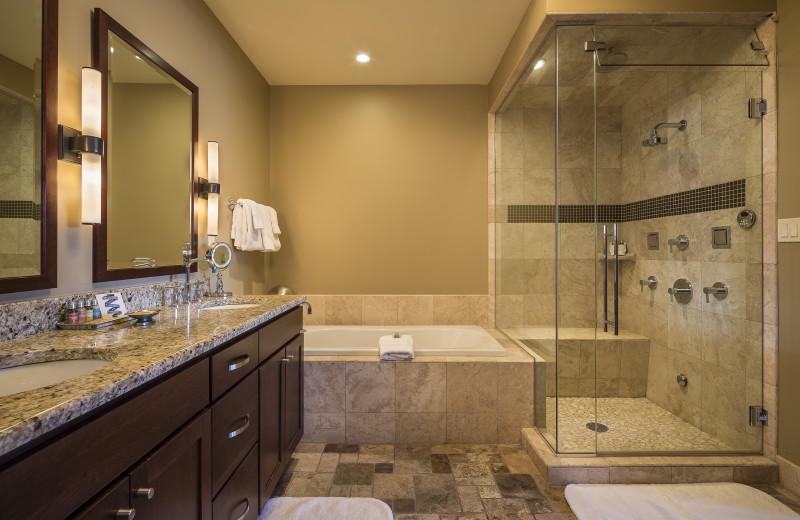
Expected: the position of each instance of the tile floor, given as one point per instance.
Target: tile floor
(428, 482)
(438, 482)
(634, 424)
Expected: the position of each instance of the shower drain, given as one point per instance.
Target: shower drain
(597, 427)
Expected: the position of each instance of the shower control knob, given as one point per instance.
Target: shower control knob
(682, 380)
(681, 291)
(651, 282)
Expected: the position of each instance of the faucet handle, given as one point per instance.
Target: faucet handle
(682, 242)
(719, 290)
(651, 282)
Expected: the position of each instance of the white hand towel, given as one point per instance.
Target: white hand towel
(396, 349)
(270, 240)
(252, 236)
(274, 216)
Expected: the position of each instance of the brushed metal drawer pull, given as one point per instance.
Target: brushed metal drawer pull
(125, 513)
(238, 363)
(289, 357)
(241, 429)
(246, 510)
(303, 331)
(144, 493)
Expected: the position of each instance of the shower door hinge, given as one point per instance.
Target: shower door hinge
(594, 46)
(758, 416)
(756, 108)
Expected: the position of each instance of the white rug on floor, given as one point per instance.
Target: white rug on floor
(326, 509)
(718, 501)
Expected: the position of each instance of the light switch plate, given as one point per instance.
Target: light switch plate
(789, 230)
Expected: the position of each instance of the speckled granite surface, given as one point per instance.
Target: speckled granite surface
(21, 319)
(139, 354)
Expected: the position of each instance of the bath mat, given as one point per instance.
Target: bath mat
(326, 509)
(717, 501)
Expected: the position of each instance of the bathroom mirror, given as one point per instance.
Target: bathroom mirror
(149, 184)
(28, 92)
(220, 255)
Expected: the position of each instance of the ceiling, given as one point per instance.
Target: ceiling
(411, 42)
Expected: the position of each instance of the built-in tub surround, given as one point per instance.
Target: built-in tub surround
(140, 354)
(428, 340)
(430, 400)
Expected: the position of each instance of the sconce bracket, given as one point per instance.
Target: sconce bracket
(71, 144)
(206, 187)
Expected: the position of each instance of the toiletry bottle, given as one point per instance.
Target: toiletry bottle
(62, 314)
(81, 312)
(96, 315)
(87, 306)
(72, 313)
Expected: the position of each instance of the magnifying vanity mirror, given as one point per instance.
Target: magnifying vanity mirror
(148, 181)
(28, 128)
(220, 255)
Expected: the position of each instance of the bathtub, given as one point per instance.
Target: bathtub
(445, 340)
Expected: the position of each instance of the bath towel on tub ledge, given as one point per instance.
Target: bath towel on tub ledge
(396, 348)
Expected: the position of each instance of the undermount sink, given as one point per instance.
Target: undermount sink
(230, 307)
(27, 377)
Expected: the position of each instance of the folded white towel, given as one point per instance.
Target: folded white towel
(396, 349)
(254, 227)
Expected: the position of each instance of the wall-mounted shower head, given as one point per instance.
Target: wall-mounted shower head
(655, 140)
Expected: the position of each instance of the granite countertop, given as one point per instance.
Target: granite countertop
(137, 354)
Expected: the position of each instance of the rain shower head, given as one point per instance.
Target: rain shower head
(655, 140)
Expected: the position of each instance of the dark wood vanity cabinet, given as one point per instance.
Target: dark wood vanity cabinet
(208, 441)
(280, 396)
(173, 481)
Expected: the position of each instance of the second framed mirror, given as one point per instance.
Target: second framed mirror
(149, 184)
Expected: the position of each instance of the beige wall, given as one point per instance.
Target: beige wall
(788, 254)
(234, 110)
(380, 190)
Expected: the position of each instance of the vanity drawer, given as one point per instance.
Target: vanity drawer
(233, 363)
(238, 500)
(276, 333)
(234, 429)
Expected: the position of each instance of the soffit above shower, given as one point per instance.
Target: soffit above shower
(314, 42)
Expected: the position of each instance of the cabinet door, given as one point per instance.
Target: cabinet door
(112, 504)
(175, 480)
(270, 381)
(293, 396)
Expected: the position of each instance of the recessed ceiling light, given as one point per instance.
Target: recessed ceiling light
(363, 58)
(539, 64)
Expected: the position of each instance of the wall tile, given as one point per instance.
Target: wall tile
(471, 428)
(421, 428)
(451, 310)
(324, 427)
(324, 387)
(370, 387)
(379, 309)
(471, 388)
(370, 428)
(343, 310)
(415, 310)
(421, 387)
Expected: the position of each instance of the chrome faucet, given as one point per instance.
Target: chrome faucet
(682, 242)
(187, 263)
(307, 305)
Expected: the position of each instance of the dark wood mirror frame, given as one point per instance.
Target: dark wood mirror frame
(48, 240)
(102, 24)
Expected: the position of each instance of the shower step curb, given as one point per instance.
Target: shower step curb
(560, 470)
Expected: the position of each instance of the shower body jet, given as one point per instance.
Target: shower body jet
(655, 140)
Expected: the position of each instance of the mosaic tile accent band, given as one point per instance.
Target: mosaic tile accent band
(709, 198)
(20, 209)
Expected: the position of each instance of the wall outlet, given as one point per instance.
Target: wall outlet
(789, 230)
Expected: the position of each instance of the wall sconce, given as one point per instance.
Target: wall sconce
(209, 189)
(87, 148)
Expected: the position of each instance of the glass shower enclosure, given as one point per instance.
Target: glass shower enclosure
(628, 264)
